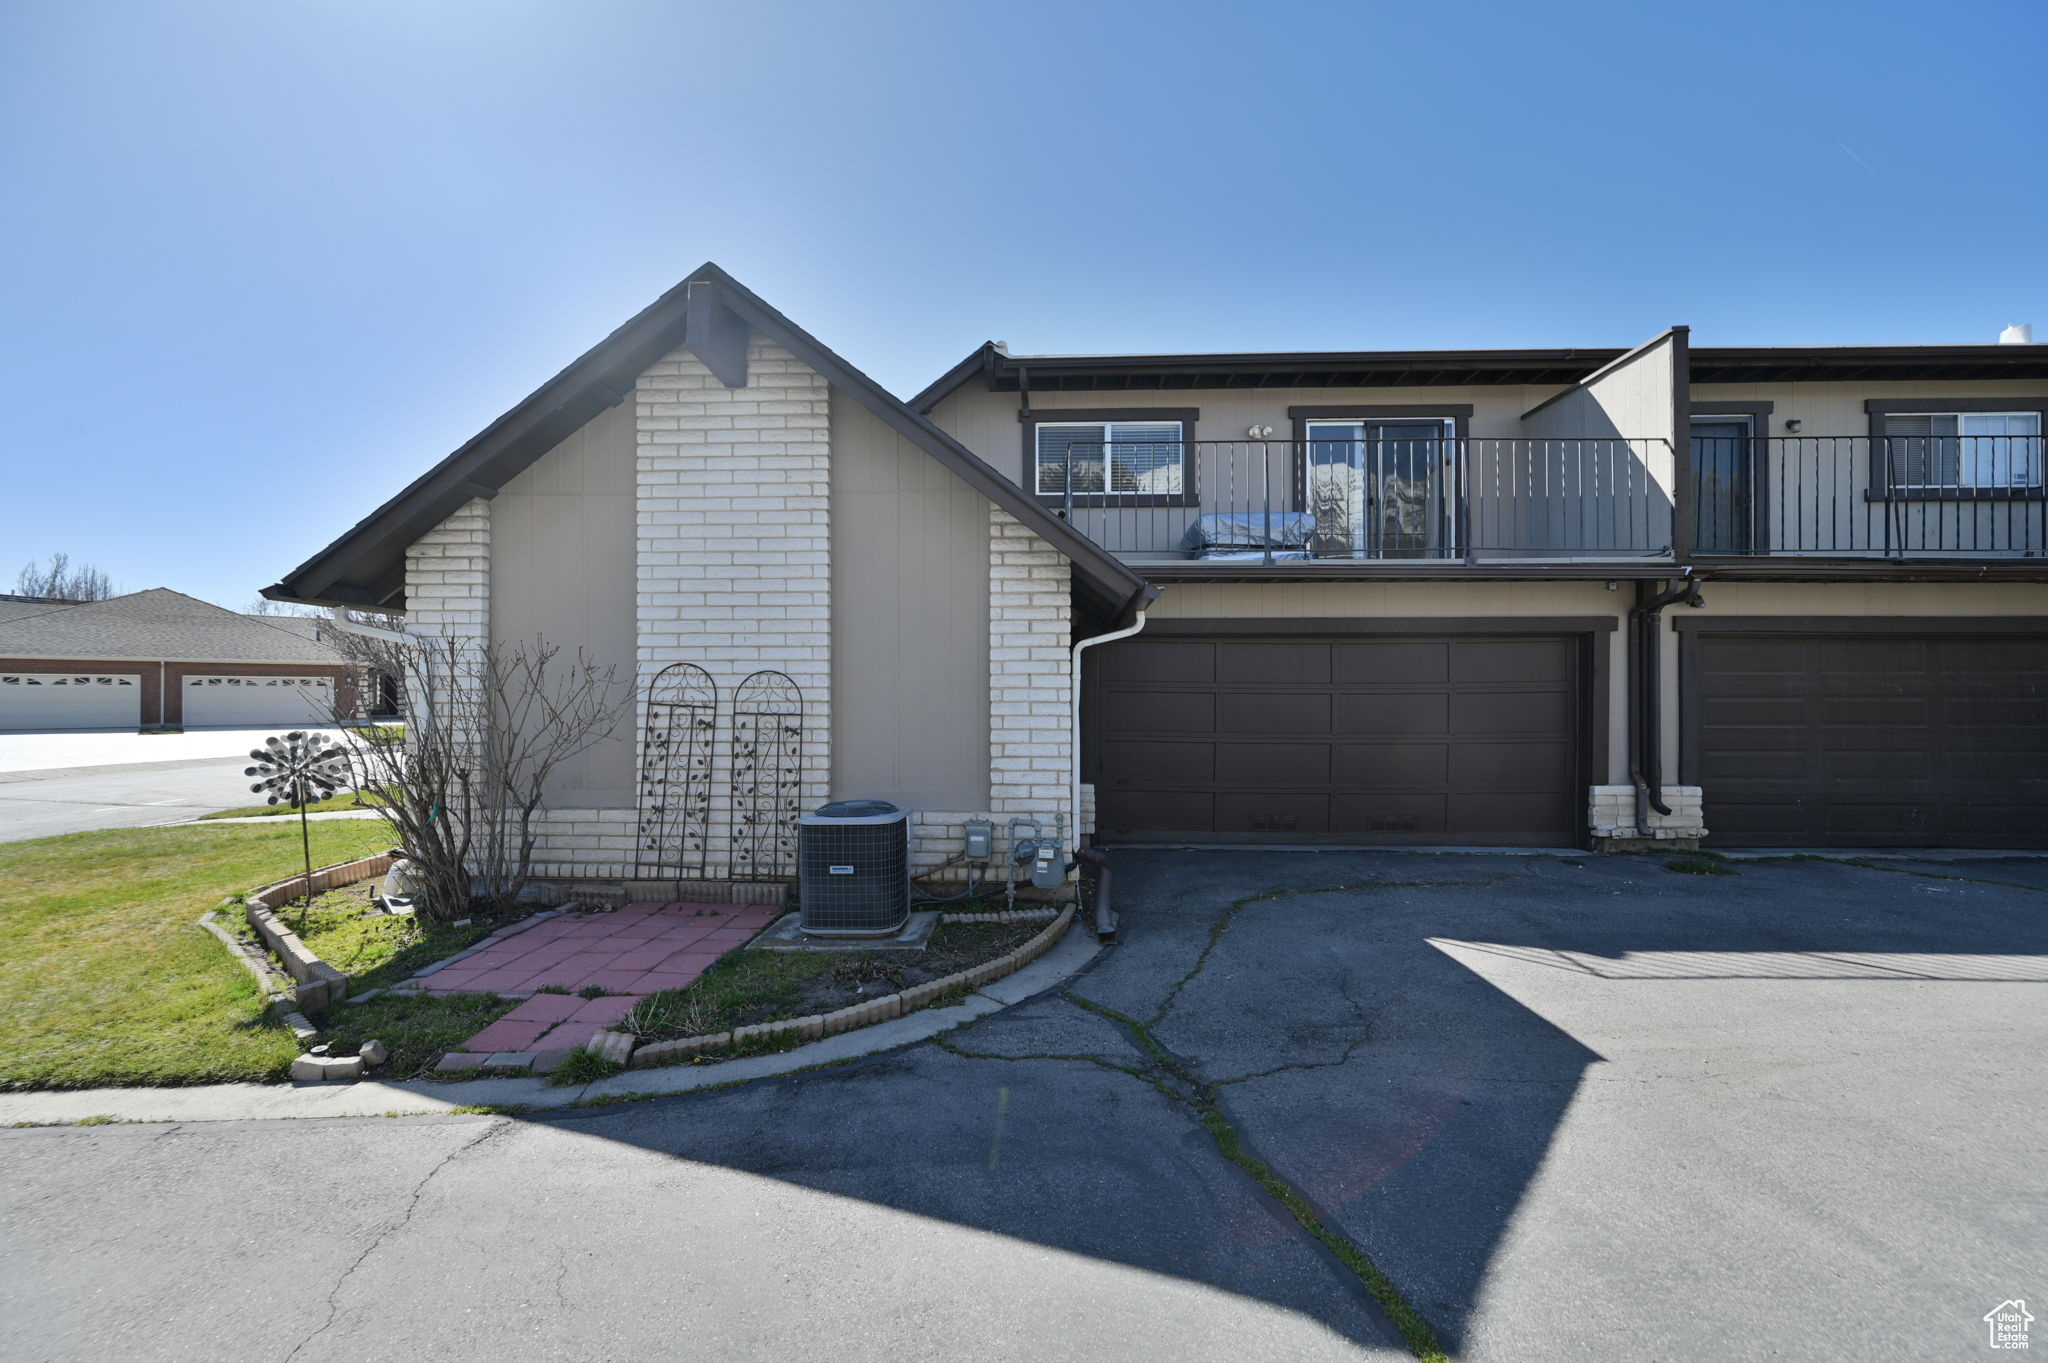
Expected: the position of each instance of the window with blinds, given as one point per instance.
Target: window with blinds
(1110, 458)
(1964, 450)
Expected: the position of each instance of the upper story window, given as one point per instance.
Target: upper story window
(1110, 460)
(1963, 451)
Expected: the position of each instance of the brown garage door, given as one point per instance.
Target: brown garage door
(1873, 741)
(1439, 739)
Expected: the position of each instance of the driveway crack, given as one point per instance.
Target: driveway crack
(1230, 912)
(1366, 1020)
(1173, 1078)
(376, 1241)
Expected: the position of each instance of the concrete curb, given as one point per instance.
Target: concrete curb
(372, 1098)
(870, 1013)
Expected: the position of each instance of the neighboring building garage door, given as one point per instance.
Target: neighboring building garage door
(1433, 739)
(289, 702)
(1873, 741)
(68, 700)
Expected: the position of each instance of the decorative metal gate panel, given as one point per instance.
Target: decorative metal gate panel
(676, 757)
(767, 776)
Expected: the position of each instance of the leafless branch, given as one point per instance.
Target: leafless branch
(466, 779)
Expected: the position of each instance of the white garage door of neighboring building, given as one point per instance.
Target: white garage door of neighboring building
(290, 702)
(68, 700)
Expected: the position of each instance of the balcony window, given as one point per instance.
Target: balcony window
(1110, 460)
(1963, 452)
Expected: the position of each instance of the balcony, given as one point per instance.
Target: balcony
(1360, 507)
(1955, 497)
(1327, 505)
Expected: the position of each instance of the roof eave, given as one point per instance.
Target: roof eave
(365, 567)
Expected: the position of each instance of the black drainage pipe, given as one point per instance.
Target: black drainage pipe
(1646, 701)
(1105, 913)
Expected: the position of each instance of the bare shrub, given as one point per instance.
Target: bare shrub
(465, 777)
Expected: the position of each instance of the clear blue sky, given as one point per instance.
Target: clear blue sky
(263, 263)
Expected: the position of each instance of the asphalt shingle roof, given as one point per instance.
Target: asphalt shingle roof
(158, 624)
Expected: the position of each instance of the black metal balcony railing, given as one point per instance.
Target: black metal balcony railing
(1469, 499)
(1863, 497)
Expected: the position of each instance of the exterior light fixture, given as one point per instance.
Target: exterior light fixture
(1793, 424)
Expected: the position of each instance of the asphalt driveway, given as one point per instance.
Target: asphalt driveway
(1571, 1108)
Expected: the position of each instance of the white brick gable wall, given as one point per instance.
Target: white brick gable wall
(734, 575)
(734, 542)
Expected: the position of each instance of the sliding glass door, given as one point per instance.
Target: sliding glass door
(1381, 488)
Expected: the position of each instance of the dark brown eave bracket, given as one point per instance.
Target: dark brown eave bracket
(715, 334)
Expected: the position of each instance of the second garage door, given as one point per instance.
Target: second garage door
(236, 702)
(1441, 739)
(1844, 740)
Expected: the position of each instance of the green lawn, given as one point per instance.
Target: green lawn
(375, 950)
(105, 975)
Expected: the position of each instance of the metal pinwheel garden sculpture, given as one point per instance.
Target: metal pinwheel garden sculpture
(300, 769)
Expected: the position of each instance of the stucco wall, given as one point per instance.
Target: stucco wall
(909, 644)
(987, 422)
(1836, 409)
(562, 570)
(1813, 485)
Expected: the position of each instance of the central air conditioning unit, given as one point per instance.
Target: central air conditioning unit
(853, 869)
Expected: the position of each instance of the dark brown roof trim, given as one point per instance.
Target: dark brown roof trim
(1672, 335)
(366, 566)
(1444, 368)
(980, 360)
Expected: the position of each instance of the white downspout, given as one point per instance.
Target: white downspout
(348, 626)
(1074, 724)
(422, 642)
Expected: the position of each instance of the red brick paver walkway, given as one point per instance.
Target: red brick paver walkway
(635, 951)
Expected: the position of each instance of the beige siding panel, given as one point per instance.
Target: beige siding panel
(987, 422)
(562, 569)
(1818, 478)
(910, 554)
(1526, 496)
(1836, 409)
(1632, 402)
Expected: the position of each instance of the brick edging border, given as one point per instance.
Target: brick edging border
(319, 984)
(820, 1025)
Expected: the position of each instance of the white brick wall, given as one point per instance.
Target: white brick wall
(734, 550)
(585, 844)
(448, 576)
(448, 595)
(1611, 811)
(1029, 672)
